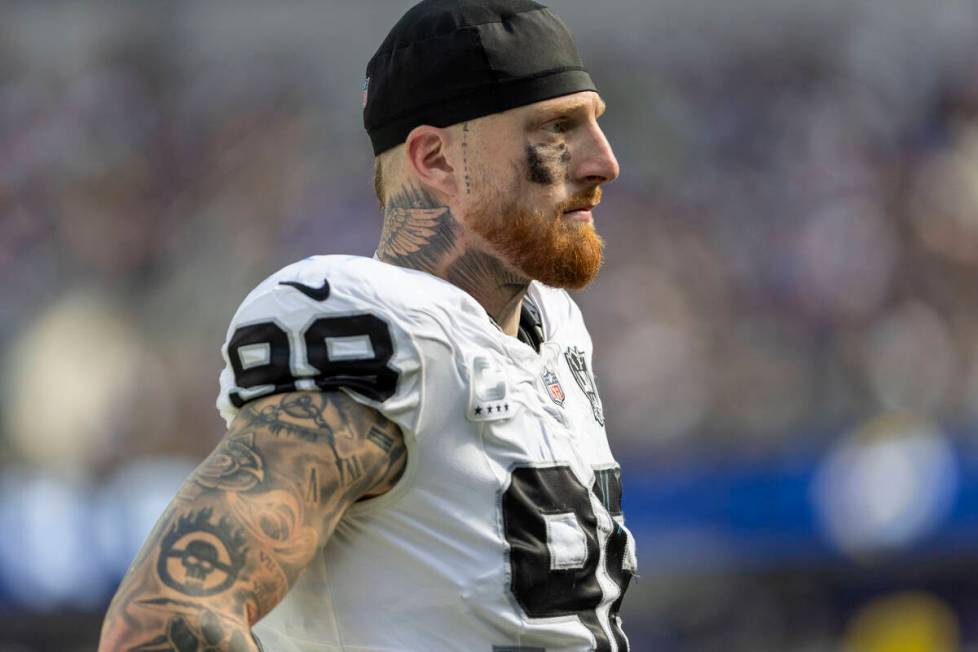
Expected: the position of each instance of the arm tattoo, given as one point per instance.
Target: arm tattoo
(235, 466)
(192, 627)
(381, 438)
(200, 556)
(249, 520)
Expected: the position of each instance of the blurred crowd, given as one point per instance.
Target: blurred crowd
(797, 248)
(792, 245)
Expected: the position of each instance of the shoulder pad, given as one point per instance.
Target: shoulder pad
(331, 323)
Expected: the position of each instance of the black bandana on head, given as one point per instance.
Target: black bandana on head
(447, 61)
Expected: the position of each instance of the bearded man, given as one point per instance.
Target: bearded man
(416, 458)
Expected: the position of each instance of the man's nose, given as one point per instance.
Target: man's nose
(597, 162)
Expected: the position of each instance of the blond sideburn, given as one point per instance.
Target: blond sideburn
(387, 173)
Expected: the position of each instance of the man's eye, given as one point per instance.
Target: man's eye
(557, 126)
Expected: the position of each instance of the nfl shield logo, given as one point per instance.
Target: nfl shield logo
(553, 387)
(365, 90)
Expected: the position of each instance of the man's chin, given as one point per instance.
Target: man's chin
(571, 281)
(571, 268)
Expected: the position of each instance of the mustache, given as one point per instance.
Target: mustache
(588, 197)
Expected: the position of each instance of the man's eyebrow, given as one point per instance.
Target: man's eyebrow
(571, 106)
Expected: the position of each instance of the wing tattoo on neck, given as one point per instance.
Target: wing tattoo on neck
(419, 238)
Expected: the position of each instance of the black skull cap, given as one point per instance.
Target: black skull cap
(447, 61)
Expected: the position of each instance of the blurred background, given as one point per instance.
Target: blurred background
(786, 330)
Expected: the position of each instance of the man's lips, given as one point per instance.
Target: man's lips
(581, 213)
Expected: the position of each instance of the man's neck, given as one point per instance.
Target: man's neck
(421, 233)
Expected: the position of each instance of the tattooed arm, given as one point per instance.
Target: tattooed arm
(248, 520)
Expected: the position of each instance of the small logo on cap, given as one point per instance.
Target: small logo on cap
(366, 87)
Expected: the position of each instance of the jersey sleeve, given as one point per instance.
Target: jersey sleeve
(322, 325)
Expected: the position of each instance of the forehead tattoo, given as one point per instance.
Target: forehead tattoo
(545, 163)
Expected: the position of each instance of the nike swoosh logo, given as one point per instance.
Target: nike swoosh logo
(317, 294)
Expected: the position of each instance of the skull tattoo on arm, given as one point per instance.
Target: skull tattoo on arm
(248, 521)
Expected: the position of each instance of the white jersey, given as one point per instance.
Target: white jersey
(505, 532)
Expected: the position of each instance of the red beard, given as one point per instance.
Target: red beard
(549, 248)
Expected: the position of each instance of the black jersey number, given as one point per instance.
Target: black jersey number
(545, 587)
(260, 356)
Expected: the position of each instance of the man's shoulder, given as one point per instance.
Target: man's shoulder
(345, 273)
(328, 323)
(335, 281)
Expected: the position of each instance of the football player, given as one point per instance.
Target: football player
(416, 458)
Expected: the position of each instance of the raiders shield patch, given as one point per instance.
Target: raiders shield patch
(553, 387)
(578, 366)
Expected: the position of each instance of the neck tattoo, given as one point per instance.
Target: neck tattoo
(419, 233)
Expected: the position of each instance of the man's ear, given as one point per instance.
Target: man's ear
(428, 154)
